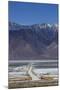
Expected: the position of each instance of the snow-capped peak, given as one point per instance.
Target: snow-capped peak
(14, 26)
(55, 26)
(49, 25)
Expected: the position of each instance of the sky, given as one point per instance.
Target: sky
(32, 13)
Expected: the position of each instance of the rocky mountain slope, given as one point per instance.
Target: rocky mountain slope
(38, 41)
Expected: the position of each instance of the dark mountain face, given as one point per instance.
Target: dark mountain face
(31, 42)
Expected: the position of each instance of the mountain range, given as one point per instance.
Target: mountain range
(33, 42)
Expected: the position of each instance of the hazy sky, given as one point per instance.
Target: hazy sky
(32, 13)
